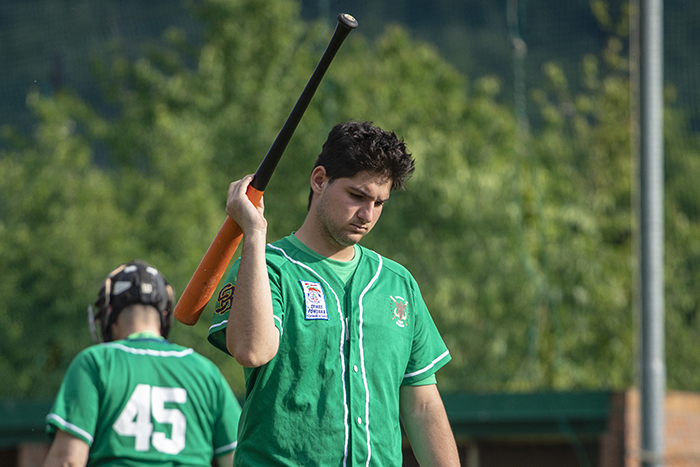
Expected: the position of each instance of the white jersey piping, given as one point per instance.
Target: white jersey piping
(226, 448)
(432, 364)
(150, 352)
(362, 359)
(217, 325)
(70, 426)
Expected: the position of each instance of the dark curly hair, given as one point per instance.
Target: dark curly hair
(354, 147)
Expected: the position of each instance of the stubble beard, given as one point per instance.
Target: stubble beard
(331, 230)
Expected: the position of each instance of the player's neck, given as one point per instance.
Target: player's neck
(312, 238)
(122, 330)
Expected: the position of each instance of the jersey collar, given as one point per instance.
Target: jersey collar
(145, 335)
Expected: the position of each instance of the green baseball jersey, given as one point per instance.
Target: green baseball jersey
(330, 396)
(144, 400)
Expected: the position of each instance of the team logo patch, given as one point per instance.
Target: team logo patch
(400, 309)
(315, 300)
(223, 302)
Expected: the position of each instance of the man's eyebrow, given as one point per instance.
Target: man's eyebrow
(367, 195)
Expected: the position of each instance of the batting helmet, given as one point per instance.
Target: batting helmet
(135, 282)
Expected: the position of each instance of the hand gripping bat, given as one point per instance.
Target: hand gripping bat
(213, 265)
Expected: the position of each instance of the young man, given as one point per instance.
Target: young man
(336, 339)
(138, 399)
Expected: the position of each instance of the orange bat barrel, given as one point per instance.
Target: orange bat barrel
(212, 267)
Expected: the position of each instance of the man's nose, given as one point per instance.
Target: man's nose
(367, 212)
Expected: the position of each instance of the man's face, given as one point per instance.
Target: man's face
(348, 208)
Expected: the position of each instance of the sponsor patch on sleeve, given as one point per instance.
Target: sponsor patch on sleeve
(315, 300)
(223, 302)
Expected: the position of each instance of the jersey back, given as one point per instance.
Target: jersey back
(146, 401)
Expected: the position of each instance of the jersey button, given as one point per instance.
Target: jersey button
(355, 368)
(359, 421)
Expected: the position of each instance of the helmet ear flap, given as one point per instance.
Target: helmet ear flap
(100, 313)
(166, 316)
(93, 325)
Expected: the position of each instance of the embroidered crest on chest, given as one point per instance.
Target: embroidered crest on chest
(315, 300)
(399, 307)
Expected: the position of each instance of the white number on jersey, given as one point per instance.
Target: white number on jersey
(135, 419)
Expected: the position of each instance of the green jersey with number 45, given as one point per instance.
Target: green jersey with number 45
(144, 400)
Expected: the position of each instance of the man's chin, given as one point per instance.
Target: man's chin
(351, 239)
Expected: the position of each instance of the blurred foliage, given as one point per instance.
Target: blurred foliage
(522, 240)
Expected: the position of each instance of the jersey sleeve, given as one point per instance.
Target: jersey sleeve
(217, 330)
(76, 407)
(432, 379)
(277, 299)
(226, 425)
(428, 352)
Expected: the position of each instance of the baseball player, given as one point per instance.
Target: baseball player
(137, 399)
(336, 340)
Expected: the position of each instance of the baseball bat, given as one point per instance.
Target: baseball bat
(213, 265)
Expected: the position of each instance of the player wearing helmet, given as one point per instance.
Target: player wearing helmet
(135, 398)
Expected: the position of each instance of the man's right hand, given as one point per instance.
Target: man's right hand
(241, 209)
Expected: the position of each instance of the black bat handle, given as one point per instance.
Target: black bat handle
(346, 23)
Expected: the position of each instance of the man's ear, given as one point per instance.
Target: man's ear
(319, 179)
(114, 331)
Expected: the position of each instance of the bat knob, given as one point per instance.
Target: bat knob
(347, 20)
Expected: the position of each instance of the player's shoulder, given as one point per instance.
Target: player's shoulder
(388, 265)
(170, 350)
(282, 252)
(92, 352)
(93, 356)
(278, 247)
(206, 371)
(200, 360)
(203, 361)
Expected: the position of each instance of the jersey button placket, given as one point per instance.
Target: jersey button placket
(356, 396)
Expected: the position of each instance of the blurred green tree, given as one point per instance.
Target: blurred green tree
(522, 241)
(60, 231)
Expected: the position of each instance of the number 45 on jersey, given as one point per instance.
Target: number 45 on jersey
(149, 401)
